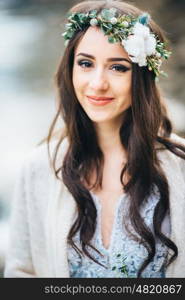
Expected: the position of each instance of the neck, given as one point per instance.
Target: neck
(109, 138)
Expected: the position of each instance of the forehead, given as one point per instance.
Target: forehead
(96, 43)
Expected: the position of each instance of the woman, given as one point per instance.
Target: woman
(111, 200)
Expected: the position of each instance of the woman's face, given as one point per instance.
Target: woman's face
(102, 71)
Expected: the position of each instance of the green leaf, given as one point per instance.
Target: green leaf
(92, 13)
(104, 29)
(111, 39)
(107, 25)
(76, 18)
(107, 28)
(70, 34)
(107, 14)
(113, 268)
(64, 34)
(144, 18)
(82, 18)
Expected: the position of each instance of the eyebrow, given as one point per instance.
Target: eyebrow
(109, 59)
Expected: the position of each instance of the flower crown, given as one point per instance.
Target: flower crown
(142, 46)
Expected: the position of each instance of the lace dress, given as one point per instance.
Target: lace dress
(124, 255)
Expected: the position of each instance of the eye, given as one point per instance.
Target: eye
(120, 68)
(84, 63)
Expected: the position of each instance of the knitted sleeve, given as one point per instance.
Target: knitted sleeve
(18, 258)
(181, 141)
(29, 245)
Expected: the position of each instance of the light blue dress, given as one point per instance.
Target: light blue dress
(124, 255)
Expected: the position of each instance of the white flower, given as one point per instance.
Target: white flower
(93, 22)
(134, 46)
(141, 30)
(150, 45)
(113, 20)
(142, 61)
(149, 39)
(125, 23)
(140, 44)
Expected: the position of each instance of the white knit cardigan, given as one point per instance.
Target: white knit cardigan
(43, 212)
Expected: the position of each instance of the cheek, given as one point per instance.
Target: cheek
(79, 80)
(122, 86)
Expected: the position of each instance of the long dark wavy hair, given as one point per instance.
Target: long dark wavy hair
(145, 125)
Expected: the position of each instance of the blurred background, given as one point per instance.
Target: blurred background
(30, 48)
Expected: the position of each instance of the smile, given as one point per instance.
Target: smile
(99, 101)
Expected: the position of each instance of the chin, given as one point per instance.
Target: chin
(96, 119)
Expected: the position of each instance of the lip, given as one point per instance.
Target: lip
(100, 98)
(99, 102)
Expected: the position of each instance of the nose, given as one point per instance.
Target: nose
(99, 80)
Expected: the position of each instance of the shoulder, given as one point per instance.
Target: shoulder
(36, 181)
(172, 162)
(175, 139)
(178, 139)
(37, 161)
(181, 161)
(36, 177)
